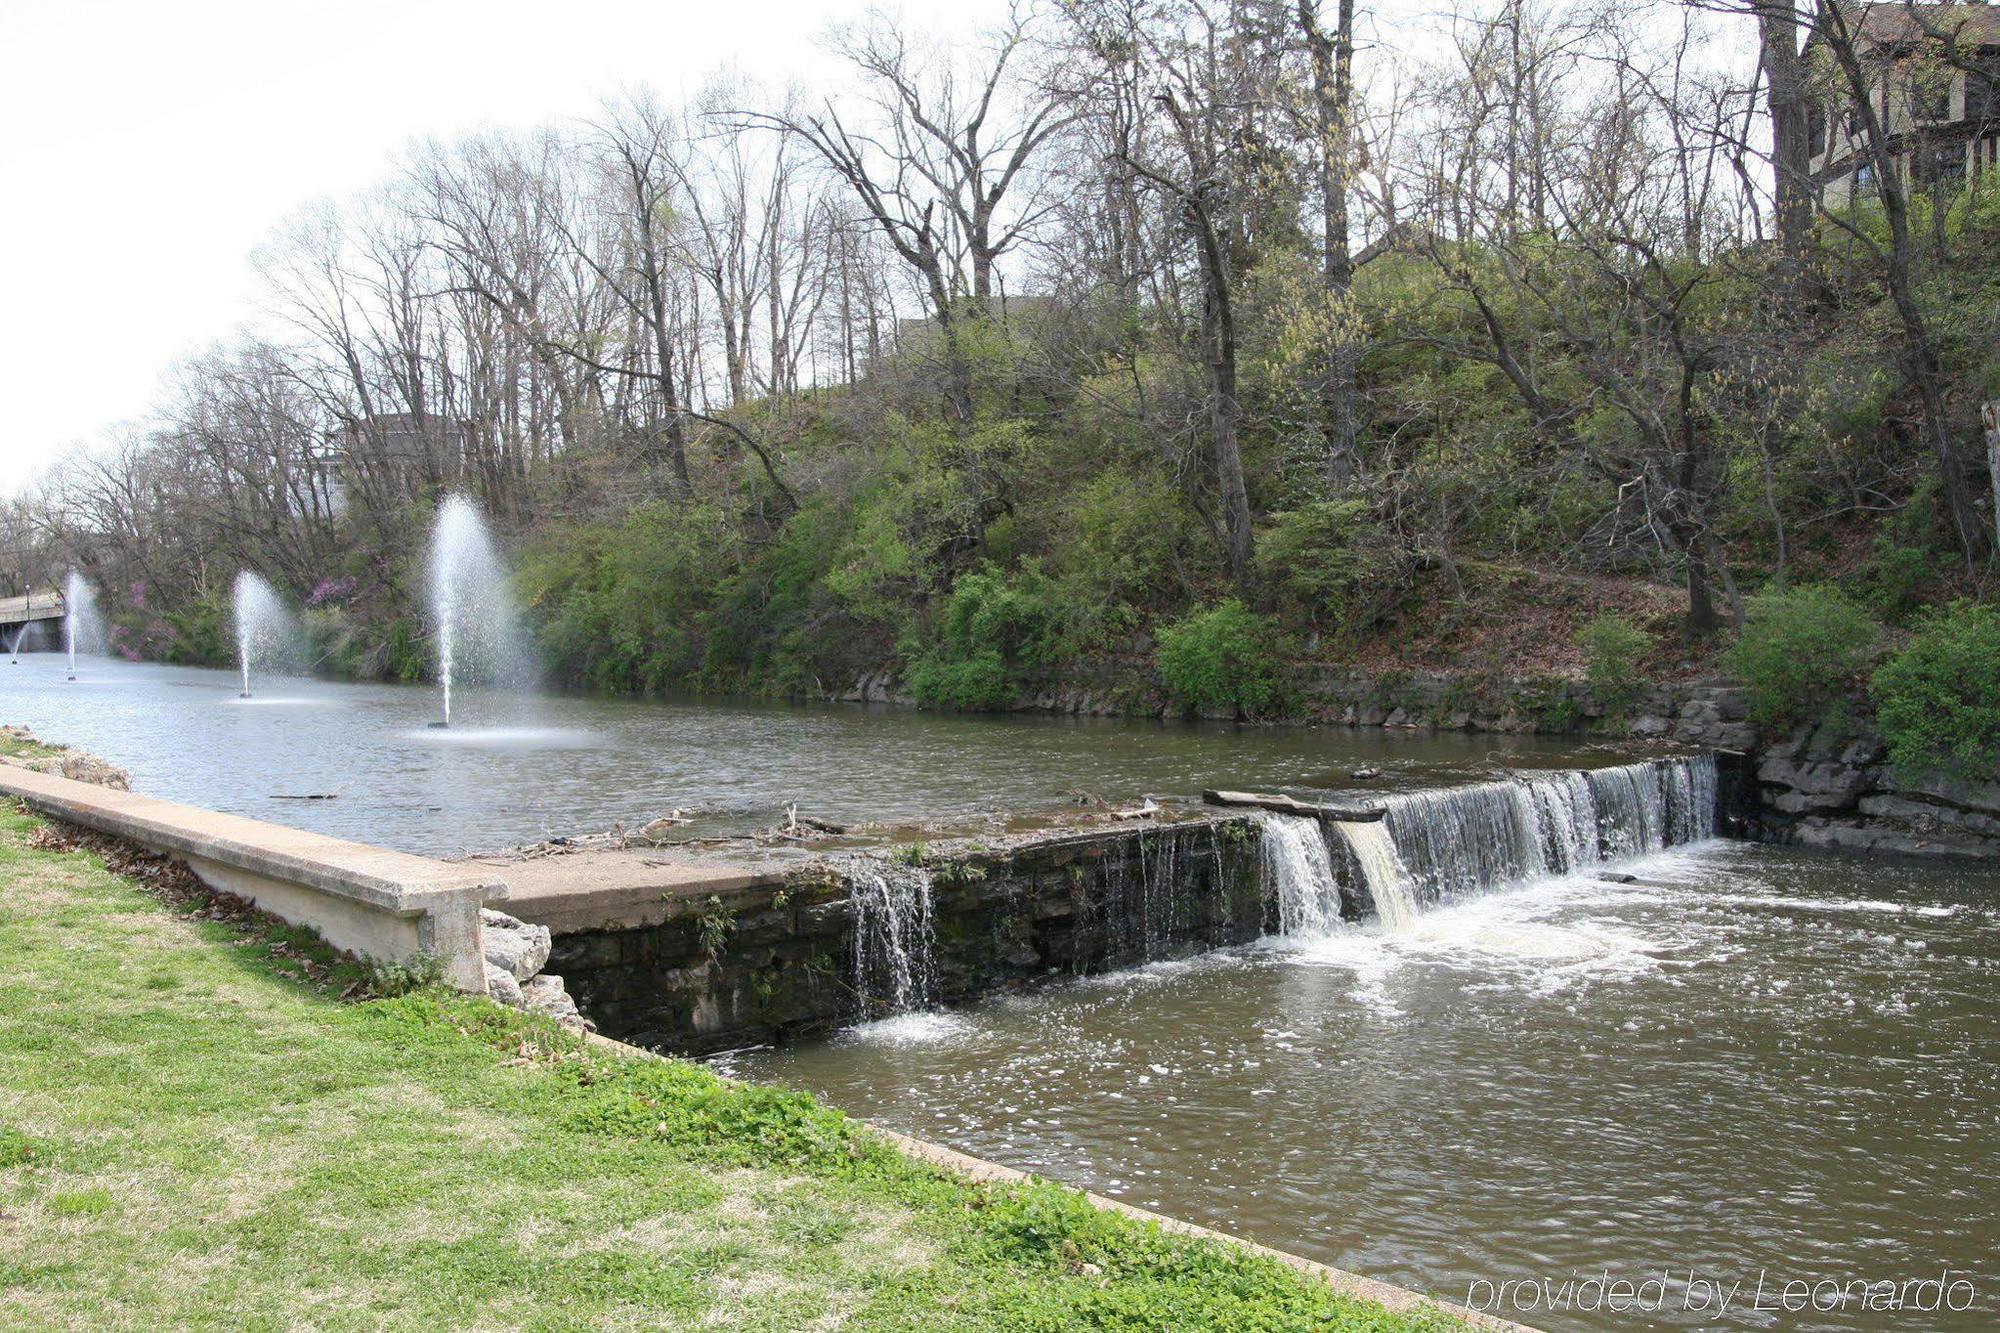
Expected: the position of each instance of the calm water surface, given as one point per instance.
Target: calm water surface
(520, 768)
(1760, 1060)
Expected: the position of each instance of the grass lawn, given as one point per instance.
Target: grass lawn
(195, 1130)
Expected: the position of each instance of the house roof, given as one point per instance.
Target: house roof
(1893, 23)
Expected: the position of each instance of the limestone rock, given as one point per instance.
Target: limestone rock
(77, 767)
(547, 995)
(500, 984)
(513, 945)
(1824, 784)
(1983, 797)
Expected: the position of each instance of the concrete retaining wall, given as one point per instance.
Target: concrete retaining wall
(381, 904)
(768, 960)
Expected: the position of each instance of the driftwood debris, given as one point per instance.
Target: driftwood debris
(1287, 805)
(821, 825)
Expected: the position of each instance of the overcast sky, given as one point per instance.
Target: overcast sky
(148, 146)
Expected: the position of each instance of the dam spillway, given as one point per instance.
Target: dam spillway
(1440, 845)
(1497, 1080)
(862, 937)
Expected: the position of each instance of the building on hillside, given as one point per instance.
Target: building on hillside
(1942, 120)
(397, 453)
(1029, 311)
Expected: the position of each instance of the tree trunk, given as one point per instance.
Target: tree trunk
(1702, 620)
(1991, 418)
(1218, 347)
(1918, 356)
(1788, 101)
(1333, 96)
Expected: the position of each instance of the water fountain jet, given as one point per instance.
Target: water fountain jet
(79, 616)
(471, 613)
(264, 628)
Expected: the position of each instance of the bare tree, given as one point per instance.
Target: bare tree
(944, 162)
(1332, 53)
(1867, 81)
(1193, 170)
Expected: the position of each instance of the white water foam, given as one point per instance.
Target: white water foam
(1507, 937)
(1299, 867)
(923, 1027)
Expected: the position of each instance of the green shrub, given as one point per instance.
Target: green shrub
(1219, 658)
(1802, 651)
(1895, 579)
(1331, 559)
(1938, 700)
(625, 605)
(991, 632)
(390, 978)
(1613, 648)
(1119, 536)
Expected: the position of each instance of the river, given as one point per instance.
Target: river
(519, 768)
(1758, 1062)
(1753, 1064)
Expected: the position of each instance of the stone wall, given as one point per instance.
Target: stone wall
(775, 961)
(1707, 713)
(1830, 786)
(1820, 787)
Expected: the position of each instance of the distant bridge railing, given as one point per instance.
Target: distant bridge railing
(32, 606)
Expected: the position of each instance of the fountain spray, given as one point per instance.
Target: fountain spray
(79, 609)
(470, 611)
(263, 626)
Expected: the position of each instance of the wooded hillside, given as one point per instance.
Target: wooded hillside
(1262, 329)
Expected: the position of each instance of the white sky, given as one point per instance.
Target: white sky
(148, 146)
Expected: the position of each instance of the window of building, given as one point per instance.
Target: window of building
(1816, 131)
(1930, 101)
(1942, 164)
(1982, 90)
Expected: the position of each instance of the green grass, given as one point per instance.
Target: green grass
(195, 1131)
(18, 747)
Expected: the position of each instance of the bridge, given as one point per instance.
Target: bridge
(17, 613)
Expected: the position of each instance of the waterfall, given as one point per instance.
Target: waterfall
(1298, 868)
(1382, 870)
(1453, 842)
(893, 968)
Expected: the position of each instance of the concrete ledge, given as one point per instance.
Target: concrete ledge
(620, 890)
(382, 904)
